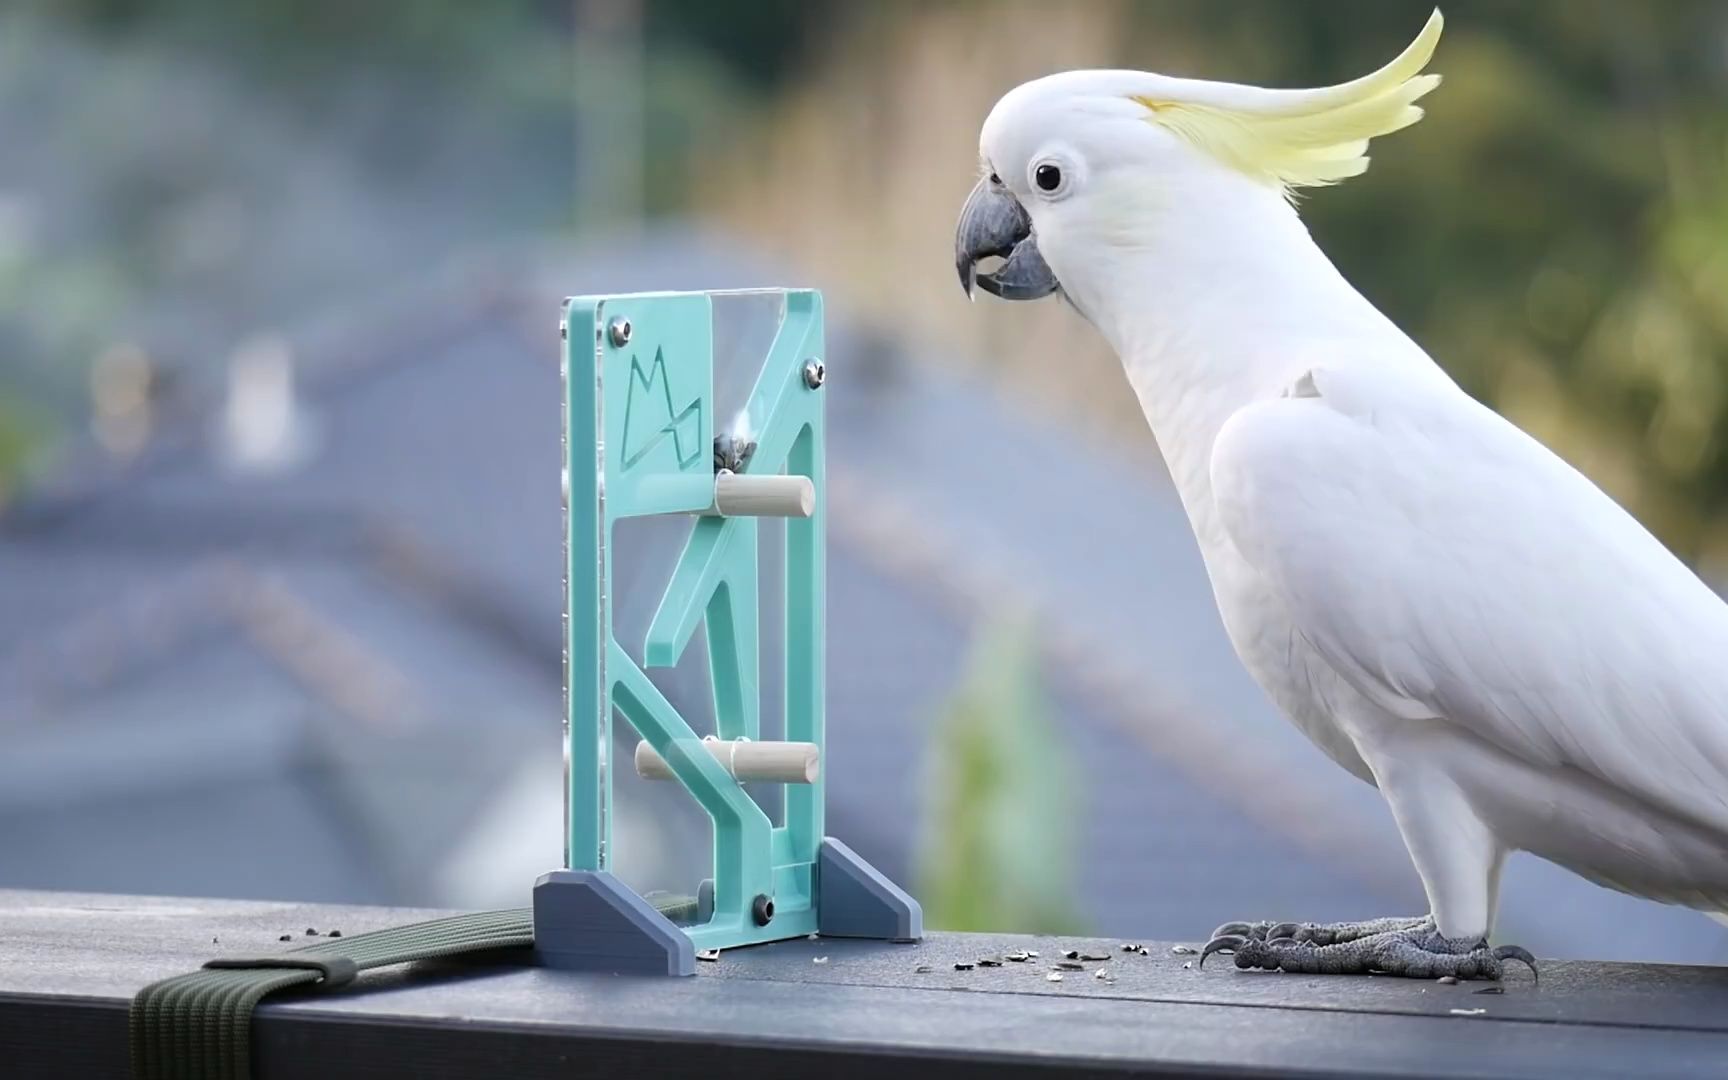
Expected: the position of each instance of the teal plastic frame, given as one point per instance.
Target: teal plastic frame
(639, 431)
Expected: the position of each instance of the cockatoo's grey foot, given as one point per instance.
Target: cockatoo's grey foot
(1410, 948)
(1320, 933)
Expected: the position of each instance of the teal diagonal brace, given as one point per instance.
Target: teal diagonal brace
(781, 405)
(743, 835)
(715, 582)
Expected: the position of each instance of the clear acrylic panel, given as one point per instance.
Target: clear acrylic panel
(661, 839)
(744, 327)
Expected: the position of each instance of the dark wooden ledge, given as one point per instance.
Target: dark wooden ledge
(70, 962)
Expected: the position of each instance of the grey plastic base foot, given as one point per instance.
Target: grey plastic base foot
(587, 920)
(855, 900)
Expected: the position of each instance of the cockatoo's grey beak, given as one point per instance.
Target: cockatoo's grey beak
(993, 223)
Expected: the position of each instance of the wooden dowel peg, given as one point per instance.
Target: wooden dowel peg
(741, 495)
(744, 759)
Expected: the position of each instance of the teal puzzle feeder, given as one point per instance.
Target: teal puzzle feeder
(642, 440)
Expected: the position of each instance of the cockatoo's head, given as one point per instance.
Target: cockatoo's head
(1087, 162)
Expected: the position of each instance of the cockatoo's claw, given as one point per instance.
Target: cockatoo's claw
(1224, 943)
(1308, 933)
(1408, 947)
(1299, 933)
(1243, 929)
(1520, 954)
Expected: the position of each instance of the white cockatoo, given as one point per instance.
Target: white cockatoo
(1448, 609)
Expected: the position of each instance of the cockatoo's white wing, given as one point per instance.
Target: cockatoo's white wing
(1449, 566)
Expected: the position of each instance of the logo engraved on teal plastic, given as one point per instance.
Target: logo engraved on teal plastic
(684, 426)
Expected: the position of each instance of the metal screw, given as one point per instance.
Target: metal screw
(619, 332)
(762, 909)
(814, 373)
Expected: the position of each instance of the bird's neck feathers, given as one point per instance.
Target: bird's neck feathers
(1223, 299)
(1187, 254)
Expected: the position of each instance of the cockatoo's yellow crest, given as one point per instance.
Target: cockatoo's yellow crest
(1301, 138)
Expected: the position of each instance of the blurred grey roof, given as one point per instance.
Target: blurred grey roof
(342, 682)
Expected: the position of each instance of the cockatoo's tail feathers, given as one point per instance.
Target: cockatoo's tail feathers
(1298, 138)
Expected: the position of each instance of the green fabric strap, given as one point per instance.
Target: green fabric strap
(198, 1026)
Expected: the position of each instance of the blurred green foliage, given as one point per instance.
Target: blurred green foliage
(1000, 826)
(19, 433)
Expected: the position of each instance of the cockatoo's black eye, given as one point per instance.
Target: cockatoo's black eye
(995, 180)
(1048, 177)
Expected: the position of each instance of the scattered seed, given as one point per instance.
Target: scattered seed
(921, 969)
(1132, 947)
(961, 965)
(1104, 975)
(1071, 954)
(989, 961)
(1054, 976)
(335, 933)
(1019, 956)
(286, 937)
(1070, 965)
(1187, 965)
(1094, 957)
(1033, 953)
(311, 932)
(215, 941)
(708, 954)
(1492, 990)
(813, 937)
(1467, 1012)
(1447, 980)
(1144, 951)
(818, 959)
(1183, 950)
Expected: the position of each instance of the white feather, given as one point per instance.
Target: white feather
(1506, 621)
